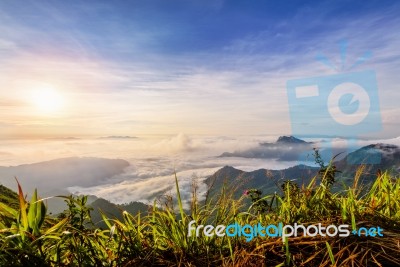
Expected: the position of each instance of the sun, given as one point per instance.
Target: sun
(47, 99)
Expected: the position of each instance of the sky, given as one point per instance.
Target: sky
(198, 67)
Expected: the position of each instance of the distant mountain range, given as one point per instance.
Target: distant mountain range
(375, 157)
(384, 157)
(53, 177)
(85, 171)
(119, 137)
(286, 148)
(266, 180)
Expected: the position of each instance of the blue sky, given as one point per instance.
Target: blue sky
(197, 67)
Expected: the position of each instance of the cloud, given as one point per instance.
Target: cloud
(5, 156)
(153, 162)
(204, 93)
(273, 151)
(146, 190)
(180, 142)
(150, 178)
(151, 170)
(125, 137)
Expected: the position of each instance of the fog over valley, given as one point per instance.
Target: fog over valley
(123, 168)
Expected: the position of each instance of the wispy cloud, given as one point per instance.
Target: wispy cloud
(115, 66)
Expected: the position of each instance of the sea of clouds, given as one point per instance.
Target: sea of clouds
(153, 160)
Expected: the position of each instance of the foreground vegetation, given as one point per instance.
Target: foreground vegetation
(28, 237)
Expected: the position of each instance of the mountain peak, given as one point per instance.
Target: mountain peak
(228, 171)
(384, 156)
(228, 168)
(387, 149)
(384, 147)
(290, 140)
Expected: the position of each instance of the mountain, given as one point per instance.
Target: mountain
(111, 210)
(286, 148)
(268, 181)
(115, 211)
(119, 137)
(61, 173)
(374, 157)
(290, 140)
(56, 205)
(8, 197)
(52, 178)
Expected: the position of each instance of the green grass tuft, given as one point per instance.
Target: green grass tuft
(29, 237)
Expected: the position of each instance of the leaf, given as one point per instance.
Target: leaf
(178, 195)
(36, 213)
(328, 247)
(105, 219)
(41, 213)
(32, 213)
(4, 208)
(22, 206)
(56, 226)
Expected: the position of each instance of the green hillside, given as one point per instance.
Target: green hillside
(9, 197)
(387, 158)
(114, 211)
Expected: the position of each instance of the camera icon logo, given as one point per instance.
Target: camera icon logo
(339, 105)
(342, 105)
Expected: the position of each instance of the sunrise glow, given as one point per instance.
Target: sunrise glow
(47, 100)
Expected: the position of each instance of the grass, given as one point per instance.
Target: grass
(29, 237)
